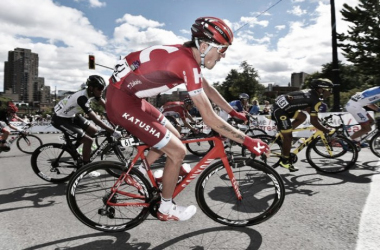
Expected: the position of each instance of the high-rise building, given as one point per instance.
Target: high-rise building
(298, 79)
(21, 76)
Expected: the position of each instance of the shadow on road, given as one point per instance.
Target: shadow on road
(210, 238)
(37, 194)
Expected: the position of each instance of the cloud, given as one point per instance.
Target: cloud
(63, 37)
(297, 11)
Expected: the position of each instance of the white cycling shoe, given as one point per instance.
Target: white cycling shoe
(177, 213)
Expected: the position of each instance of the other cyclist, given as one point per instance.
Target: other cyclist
(171, 110)
(355, 105)
(67, 119)
(158, 68)
(5, 117)
(241, 104)
(290, 106)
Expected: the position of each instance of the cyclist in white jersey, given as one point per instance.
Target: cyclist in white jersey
(355, 105)
(67, 119)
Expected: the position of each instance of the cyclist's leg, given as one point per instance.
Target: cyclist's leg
(299, 118)
(285, 128)
(362, 117)
(87, 139)
(4, 136)
(69, 127)
(146, 123)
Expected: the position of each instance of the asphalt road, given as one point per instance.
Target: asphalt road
(320, 212)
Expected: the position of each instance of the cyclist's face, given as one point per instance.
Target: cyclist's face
(212, 57)
(98, 92)
(326, 92)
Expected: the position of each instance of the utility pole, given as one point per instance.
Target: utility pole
(335, 65)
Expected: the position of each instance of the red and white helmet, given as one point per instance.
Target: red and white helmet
(212, 29)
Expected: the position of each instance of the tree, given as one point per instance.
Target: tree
(244, 82)
(361, 45)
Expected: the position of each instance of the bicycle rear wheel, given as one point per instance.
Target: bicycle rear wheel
(200, 148)
(28, 143)
(53, 163)
(87, 197)
(344, 154)
(261, 186)
(375, 144)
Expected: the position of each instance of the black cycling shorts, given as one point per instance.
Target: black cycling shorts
(75, 127)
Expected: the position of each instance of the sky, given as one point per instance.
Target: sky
(275, 37)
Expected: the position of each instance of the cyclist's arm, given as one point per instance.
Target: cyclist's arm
(316, 123)
(211, 119)
(215, 96)
(99, 122)
(102, 102)
(190, 117)
(374, 107)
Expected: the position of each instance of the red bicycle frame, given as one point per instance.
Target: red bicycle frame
(217, 152)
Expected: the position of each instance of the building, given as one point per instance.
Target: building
(21, 80)
(298, 79)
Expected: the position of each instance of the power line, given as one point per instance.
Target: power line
(260, 14)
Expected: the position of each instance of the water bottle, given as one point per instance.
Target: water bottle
(158, 175)
(185, 169)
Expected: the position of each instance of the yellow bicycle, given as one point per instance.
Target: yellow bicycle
(324, 153)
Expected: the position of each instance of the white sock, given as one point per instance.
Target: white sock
(165, 206)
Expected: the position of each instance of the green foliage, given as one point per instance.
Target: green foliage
(244, 82)
(361, 45)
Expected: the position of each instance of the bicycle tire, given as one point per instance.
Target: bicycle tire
(255, 131)
(275, 150)
(374, 144)
(44, 157)
(86, 196)
(28, 143)
(199, 148)
(261, 186)
(345, 155)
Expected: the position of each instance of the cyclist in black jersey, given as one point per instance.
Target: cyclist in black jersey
(67, 120)
(290, 106)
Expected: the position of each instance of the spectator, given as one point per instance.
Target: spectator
(255, 109)
(267, 108)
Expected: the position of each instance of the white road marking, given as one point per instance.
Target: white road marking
(369, 230)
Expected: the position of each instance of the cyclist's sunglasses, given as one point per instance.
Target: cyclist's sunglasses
(328, 89)
(221, 49)
(100, 87)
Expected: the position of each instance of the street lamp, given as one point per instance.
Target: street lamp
(335, 66)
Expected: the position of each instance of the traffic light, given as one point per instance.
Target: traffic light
(91, 62)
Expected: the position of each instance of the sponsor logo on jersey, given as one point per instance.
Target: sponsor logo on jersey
(141, 124)
(134, 83)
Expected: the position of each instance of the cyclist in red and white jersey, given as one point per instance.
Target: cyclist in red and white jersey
(159, 68)
(171, 110)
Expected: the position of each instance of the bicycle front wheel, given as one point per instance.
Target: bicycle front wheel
(91, 197)
(53, 163)
(375, 144)
(261, 187)
(28, 143)
(338, 155)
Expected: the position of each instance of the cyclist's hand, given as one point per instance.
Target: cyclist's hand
(116, 135)
(238, 115)
(256, 146)
(28, 125)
